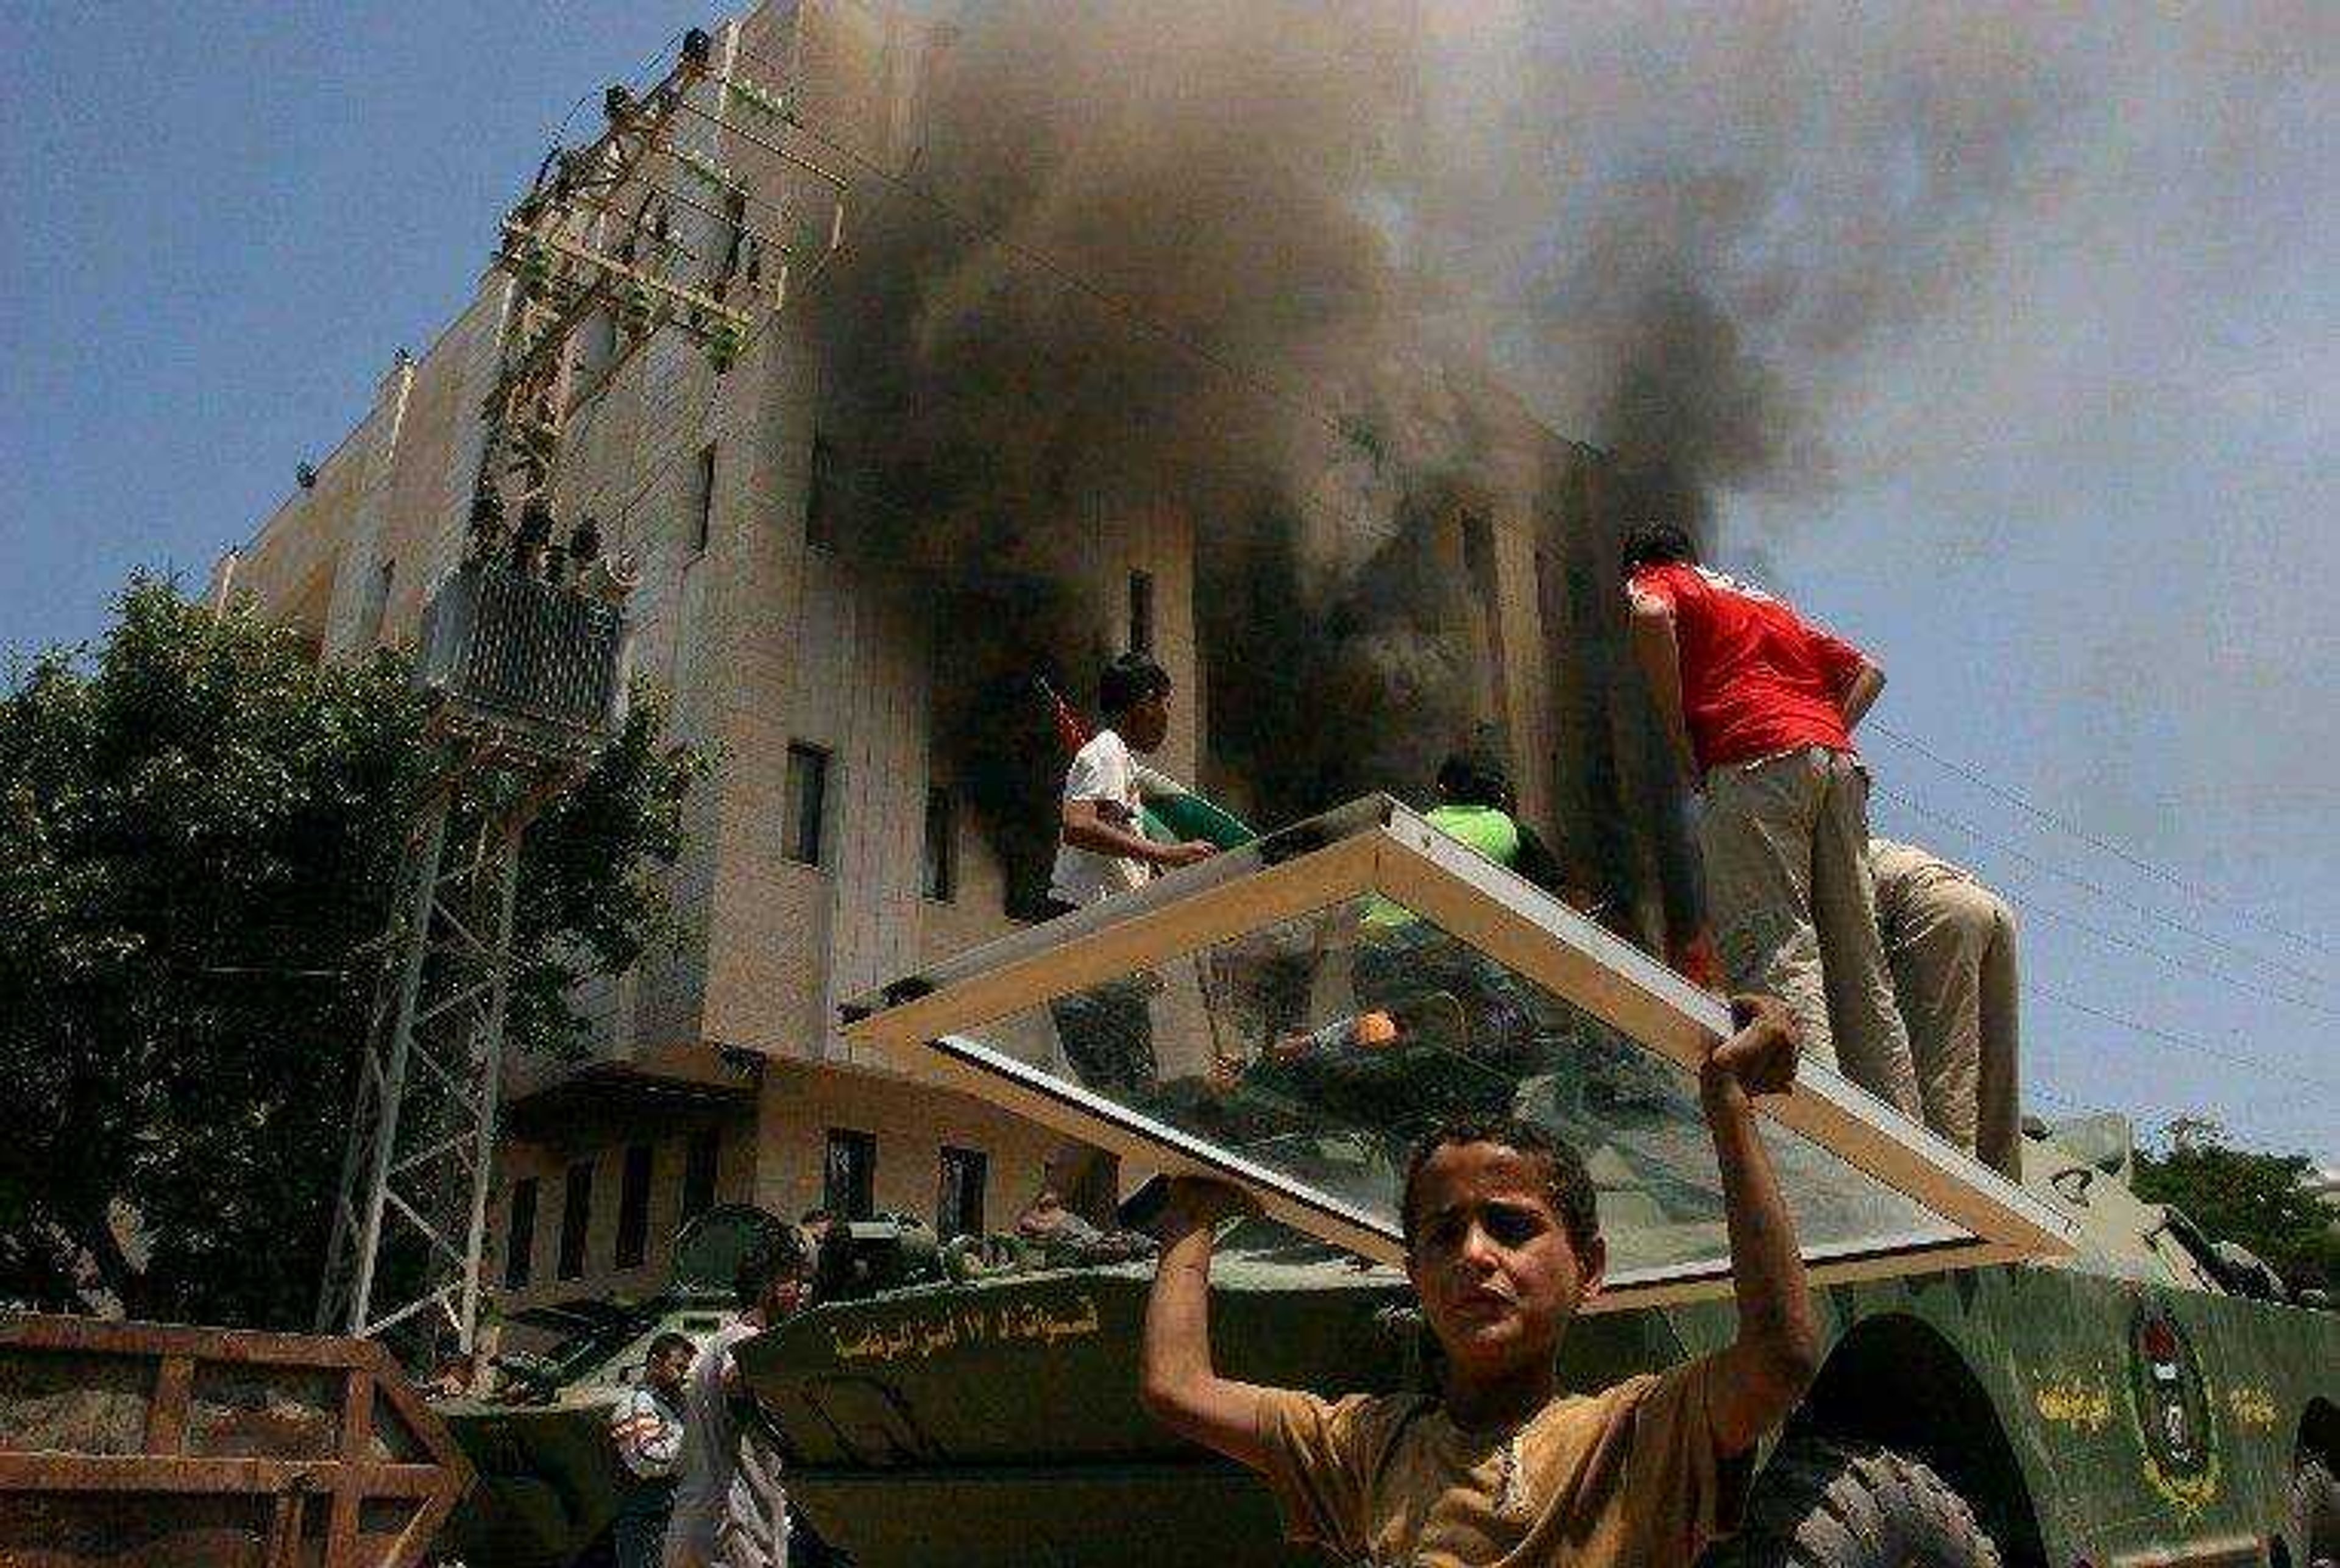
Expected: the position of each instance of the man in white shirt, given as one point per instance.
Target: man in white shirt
(646, 1429)
(1102, 849)
(730, 1509)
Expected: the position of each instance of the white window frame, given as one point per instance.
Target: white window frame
(1376, 846)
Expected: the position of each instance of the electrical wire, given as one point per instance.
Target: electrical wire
(2115, 938)
(2064, 825)
(2170, 1038)
(2091, 887)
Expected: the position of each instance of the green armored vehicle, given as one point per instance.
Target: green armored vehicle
(2149, 1401)
(2048, 1372)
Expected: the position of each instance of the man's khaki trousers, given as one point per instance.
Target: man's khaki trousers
(1951, 942)
(1786, 844)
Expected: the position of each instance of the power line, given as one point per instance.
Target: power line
(2065, 824)
(561, 127)
(2172, 1038)
(2225, 977)
(2096, 889)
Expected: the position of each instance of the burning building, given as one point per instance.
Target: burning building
(1050, 364)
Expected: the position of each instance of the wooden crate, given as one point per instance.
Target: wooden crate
(156, 1445)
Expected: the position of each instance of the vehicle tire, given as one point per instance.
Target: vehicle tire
(1820, 1503)
(2315, 1513)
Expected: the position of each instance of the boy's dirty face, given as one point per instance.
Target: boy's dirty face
(1497, 1274)
(1147, 722)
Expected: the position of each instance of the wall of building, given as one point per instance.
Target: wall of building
(762, 638)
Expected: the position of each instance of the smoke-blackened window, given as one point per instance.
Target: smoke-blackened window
(940, 874)
(806, 803)
(822, 500)
(1141, 612)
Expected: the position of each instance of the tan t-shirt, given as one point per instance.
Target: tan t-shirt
(1627, 1476)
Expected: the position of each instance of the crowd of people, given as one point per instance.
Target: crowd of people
(1899, 967)
(1879, 959)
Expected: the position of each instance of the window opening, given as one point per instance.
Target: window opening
(519, 1234)
(576, 1219)
(698, 1158)
(806, 803)
(940, 874)
(849, 1174)
(959, 1201)
(634, 1207)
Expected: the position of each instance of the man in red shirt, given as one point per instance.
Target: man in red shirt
(1761, 706)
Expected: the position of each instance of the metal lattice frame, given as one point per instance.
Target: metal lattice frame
(410, 1224)
(529, 676)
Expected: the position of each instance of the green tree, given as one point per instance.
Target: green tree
(2260, 1200)
(201, 826)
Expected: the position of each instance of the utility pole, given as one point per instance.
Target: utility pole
(522, 651)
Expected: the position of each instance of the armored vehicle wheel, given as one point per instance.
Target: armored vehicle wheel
(2315, 1513)
(1825, 1504)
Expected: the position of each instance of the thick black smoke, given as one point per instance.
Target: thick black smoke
(1250, 261)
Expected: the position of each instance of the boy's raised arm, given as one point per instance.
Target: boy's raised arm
(1179, 1387)
(1766, 1369)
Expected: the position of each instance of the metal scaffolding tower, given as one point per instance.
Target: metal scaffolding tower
(522, 651)
(527, 677)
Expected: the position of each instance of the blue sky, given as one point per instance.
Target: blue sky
(2084, 511)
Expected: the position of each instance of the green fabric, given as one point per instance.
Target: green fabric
(1189, 816)
(1484, 829)
(1491, 832)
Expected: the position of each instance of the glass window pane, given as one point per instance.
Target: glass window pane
(1320, 1047)
(1294, 1014)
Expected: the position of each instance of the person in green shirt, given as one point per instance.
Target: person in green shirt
(1477, 806)
(1409, 977)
